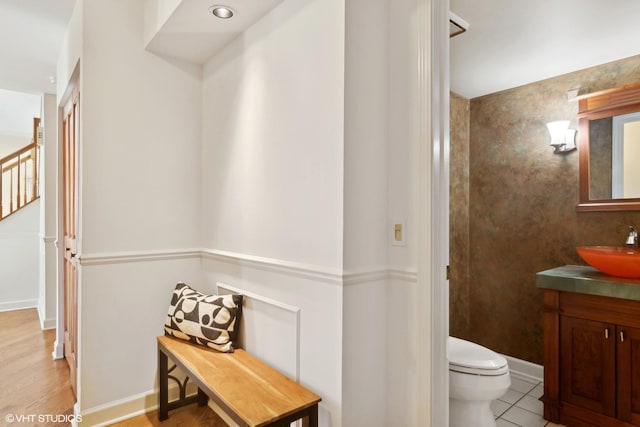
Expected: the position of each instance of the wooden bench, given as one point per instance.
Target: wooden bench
(248, 390)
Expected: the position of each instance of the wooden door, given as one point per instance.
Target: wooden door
(628, 374)
(70, 136)
(588, 365)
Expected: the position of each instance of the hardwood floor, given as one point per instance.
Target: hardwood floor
(32, 384)
(188, 416)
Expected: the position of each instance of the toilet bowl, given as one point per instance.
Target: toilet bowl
(477, 376)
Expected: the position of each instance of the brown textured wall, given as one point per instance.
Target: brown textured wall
(600, 158)
(522, 216)
(459, 218)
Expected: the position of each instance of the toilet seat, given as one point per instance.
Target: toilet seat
(470, 358)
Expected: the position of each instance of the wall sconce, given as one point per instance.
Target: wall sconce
(563, 139)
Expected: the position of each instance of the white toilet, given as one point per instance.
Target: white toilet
(477, 376)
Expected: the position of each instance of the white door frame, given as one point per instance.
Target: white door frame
(58, 345)
(433, 251)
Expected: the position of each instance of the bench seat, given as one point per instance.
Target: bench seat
(252, 393)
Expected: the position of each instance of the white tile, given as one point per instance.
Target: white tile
(504, 423)
(531, 404)
(521, 385)
(537, 392)
(524, 418)
(512, 396)
(498, 407)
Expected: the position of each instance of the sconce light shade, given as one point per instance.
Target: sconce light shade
(563, 139)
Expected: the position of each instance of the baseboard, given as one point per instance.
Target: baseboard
(526, 370)
(45, 323)
(129, 407)
(77, 418)
(18, 305)
(58, 350)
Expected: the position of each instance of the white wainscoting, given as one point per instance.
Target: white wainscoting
(269, 329)
(278, 266)
(288, 308)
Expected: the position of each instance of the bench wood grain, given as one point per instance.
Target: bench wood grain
(251, 392)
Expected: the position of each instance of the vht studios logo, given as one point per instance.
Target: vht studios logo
(42, 418)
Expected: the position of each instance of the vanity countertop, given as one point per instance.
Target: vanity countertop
(587, 280)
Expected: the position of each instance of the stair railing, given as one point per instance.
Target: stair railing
(19, 177)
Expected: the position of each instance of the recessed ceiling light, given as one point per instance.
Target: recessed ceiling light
(222, 12)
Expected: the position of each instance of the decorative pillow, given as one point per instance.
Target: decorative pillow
(209, 320)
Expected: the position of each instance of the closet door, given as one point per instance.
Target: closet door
(70, 137)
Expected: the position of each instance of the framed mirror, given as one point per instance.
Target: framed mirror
(609, 149)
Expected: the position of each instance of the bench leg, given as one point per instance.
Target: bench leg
(163, 395)
(312, 420)
(203, 399)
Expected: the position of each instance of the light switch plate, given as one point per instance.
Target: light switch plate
(398, 233)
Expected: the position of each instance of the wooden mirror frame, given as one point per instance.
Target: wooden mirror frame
(599, 105)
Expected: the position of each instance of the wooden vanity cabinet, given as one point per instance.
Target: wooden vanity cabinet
(591, 360)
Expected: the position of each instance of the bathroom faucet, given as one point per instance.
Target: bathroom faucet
(632, 238)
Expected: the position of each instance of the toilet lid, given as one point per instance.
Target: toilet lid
(470, 355)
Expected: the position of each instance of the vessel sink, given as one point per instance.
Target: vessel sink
(613, 260)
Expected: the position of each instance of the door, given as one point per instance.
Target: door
(70, 136)
(628, 374)
(587, 360)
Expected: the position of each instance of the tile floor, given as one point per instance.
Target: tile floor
(520, 406)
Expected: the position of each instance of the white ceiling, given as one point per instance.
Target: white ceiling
(31, 32)
(509, 42)
(514, 42)
(192, 33)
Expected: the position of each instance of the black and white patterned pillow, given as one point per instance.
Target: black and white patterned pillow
(209, 320)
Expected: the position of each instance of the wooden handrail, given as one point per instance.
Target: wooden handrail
(20, 193)
(17, 153)
(14, 164)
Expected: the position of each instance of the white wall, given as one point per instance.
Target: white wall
(366, 242)
(70, 51)
(272, 185)
(141, 138)
(263, 170)
(19, 233)
(19, 247)
(403, 153)
(273, 132)
(123, 309)
(139, 198)
(366, 135)
(47, 288)
(319, 298)
(286, 163)
(17, 111)
(10, 143)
